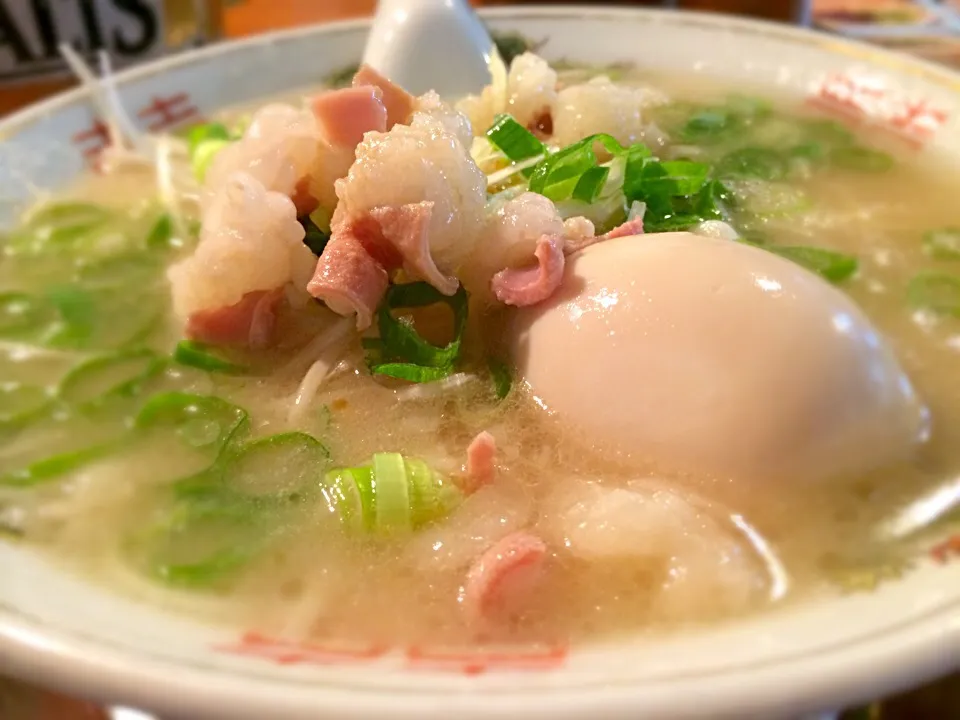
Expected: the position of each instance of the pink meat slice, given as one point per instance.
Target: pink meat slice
(630, 227)
(481, 454)
(347, 279)
(528, 286)
(398, 102)
(406, 229)
(251, 322)
(502, 579)
(346, 114)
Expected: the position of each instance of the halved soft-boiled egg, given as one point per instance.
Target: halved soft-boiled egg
(711, 356)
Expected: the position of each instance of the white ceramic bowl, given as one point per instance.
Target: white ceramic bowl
(64, 632)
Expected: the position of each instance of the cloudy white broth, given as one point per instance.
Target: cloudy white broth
(585, 354)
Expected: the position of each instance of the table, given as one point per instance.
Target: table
(939, 701)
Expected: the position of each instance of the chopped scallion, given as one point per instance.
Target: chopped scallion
(590, 184)
(828, 264)
(121, 374)
(936, 292)
(502, 381)
(314, 238)
(197, 355)
(514, 140)
(393, 493)
(200, 421)
(943, 243)
(861, 159)
(402, 352)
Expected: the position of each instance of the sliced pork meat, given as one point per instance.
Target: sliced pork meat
(528, 286)
(248, 323)
(398, 102)
(346, 114)
(406, 228)
(348, 280)
(630, 227)
(480, 469)
(576, 244)
(501, 580)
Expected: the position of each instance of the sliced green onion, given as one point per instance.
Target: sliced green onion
(502, 381)
(510, 45)
(53, 467)
(750, 107)
(77, 309)
(204, 154)
(590, 184)
(161, 233)
(200, 356)
(861, 159)
(20, 402)
(403, 352)
(431, 496)
(24, 316)
(943, 243)
(673, 178)
(637, 157)
(121, 374)
(936, 292)
(557, 175)
(392, 491)
(808, 151)
(342, 495)
(201, 541)
(756, 162)
(831, 132)
(291, 461)
(708, 125)
(411, 372)
(314, 238)
(391, 494)
(200, 134)
(514, 140)
(828, 264)
(201, 421)
(57, 226)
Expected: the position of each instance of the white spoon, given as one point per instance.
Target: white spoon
(430, 45)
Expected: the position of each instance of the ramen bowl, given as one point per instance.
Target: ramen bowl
(830, 651)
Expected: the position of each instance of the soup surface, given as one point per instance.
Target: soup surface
(239, 389)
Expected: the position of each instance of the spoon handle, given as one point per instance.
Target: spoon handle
(430, 44)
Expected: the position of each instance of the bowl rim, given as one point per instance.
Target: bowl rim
(86, 667)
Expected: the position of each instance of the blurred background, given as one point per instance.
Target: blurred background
(30, 69)
(31, 29)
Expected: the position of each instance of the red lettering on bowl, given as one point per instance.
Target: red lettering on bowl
(96, 139)
(285, 652)
(870, 100)
(168, 111)
(944, 551)
(474, 662)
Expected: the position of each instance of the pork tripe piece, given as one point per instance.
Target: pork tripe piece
(695, 553)
(278, 148)
(529, 93)
(250, 241)
(414, 199)
(600, 106)
(716, 357)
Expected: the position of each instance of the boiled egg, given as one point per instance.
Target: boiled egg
(709, 356)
